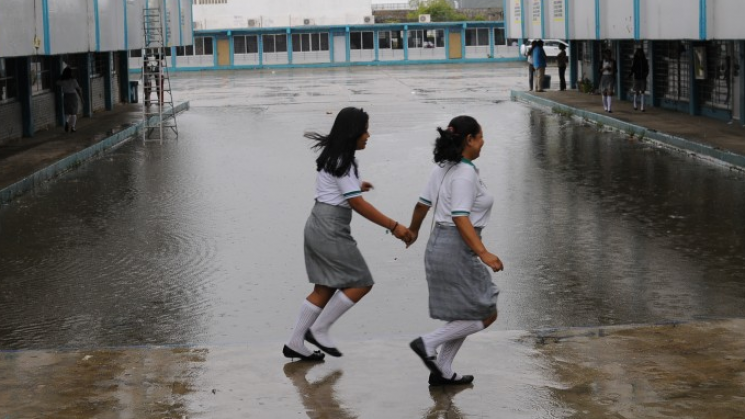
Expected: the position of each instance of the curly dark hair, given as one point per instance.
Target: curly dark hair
(449, 146)
(339, 146)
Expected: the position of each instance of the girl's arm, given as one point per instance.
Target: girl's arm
(417, 217)
(368, 211)
(472, 239)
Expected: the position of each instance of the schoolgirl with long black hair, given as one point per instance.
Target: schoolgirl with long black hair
(334, 264)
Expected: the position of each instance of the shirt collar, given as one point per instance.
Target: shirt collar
(466, 161)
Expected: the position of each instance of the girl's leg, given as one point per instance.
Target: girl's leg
(641, 100)
(309, 311)
(609, 101)
(339, 304)
(635, 95)
(451, 347)
(73, 120)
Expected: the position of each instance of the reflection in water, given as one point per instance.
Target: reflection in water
(318, 396)
(444, 407)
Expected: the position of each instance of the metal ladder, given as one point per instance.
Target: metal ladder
(158, 113)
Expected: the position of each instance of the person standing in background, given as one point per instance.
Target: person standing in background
(639, 72)
(531, 69)
(539, 62)
(607, 79)
(71, 91)
(561, 61)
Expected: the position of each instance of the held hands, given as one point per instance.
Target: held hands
(404, 234)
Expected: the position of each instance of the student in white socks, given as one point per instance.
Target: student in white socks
(607, 79)
(461, 291)
(639, 73)
(332, 260)
(71, 92)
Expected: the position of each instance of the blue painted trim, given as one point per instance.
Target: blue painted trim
(522, 20)
(214, 50)
(261, 50)
(637, 20)
(506, 16)
(406, 42)
(463, 42)
(126, 30)
(347, 64)
(741, 59)
(376, 42)
(45, 19)
(231, 48)
(348, 56)
(289, 46)
(165, 22)
(492, 39)
(181, 31)
(703, 12)
(331, 47)
(98, 26)
(597, 19)
(566, 21)
(543, 21)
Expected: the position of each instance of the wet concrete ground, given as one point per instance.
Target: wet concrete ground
(162, 279)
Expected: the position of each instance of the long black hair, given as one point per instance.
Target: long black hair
(66, 74)
(449, 146)
(339, 146)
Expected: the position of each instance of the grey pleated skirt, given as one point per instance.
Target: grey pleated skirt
(608, 83)
(70, 101)
(331, 254)
(460, 285)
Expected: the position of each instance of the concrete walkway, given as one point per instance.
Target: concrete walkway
(27, 162)
(707, 138)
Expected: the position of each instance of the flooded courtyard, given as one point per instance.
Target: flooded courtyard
(161, 279)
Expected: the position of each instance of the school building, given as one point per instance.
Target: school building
(39, 38)
(695, 48)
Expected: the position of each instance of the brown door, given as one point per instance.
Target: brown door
(455, 50)
(223, 52)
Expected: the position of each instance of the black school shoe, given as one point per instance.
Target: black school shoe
(316, 356)
(437, 380)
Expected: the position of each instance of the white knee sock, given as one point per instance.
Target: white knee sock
(335, 308)
(605, 103)
(452, 330)
(609, 99)
(635, 100)
(447, 355)
(641, 100)
(308, 314)
(73, 120)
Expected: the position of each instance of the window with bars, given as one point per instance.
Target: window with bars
(98, 65)
(390, 40)
(246, 44)
(306, 42)
(426, 38)
(477, 37)
(40, 71)
(202, 46)
(210, 2)
(8, 80)
(274, 43)
(361, 40)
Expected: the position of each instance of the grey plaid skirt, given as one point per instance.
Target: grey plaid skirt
(331, 254)
(460, 285)
(608, 83)
(70, 101)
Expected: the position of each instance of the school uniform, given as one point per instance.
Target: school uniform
(332, 258)
(460, 285)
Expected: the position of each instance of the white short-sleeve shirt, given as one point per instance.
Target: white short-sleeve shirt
(334, 190)
(458, 191)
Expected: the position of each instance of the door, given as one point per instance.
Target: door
(223, 52)
(455, 50)
(340, 48)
